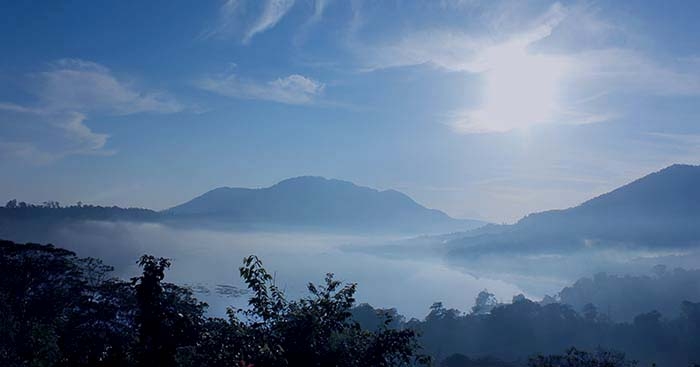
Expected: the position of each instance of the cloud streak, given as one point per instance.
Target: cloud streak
(41, 137)
(234, 18)
(272, 13)
(293, 89)
(73, 84)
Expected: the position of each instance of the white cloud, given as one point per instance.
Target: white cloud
(12, 107)
(229, 12)
(66, 95)
(272, 13)
(446, 49)
(538, 72)
(85, 139)
(42, 137)
(453, 49)
(320, 7)
(293, 89)
(86, 86)
(234, 18)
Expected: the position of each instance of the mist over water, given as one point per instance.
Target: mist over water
(391, 271)
(205, 259)
(404, 278)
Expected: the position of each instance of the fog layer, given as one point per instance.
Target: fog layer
(207, 259)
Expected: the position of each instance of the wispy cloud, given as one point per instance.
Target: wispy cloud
(272, 13)
(320, 7)
(628, 70)
(229, 11)
(527, 72)
(25, 152)
(684, 148)
(12, 107)
(451, 48)
(73, 84)
(41, 137)
(245, 19)
(53, 126)
(86, 140)
(293, 89)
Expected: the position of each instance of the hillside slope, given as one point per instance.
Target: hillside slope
(320, 202)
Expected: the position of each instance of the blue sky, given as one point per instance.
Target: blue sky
(484, 109)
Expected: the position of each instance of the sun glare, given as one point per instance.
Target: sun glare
(520, 89)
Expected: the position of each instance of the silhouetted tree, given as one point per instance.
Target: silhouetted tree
(167, 316)
(579, 358)
(484, 303)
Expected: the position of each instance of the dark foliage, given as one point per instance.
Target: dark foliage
(52, 210)
(60, 310)
(314, 331)
(579, 358)
(622, 298)
(514, 332)
(57, 309)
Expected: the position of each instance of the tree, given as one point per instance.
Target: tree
(167, 316)
(484, 303)
(314, 331)
(39, 285)
(59, 310)
(51, 314)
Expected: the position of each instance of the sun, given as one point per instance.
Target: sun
(520, 88)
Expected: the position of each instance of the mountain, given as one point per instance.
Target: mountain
(319, 202)
(660, 210)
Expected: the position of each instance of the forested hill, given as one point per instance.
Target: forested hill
(51, 211)
(667, 199)
(320, 202)
(660, 210)
(303, 202)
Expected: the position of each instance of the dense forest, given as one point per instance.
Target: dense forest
(513, 332)
(58, 309)
(52, 210)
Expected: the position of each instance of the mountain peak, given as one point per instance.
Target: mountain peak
(302, 179)
(679, 166)
(659, 210)
(665, 192)
(311, 181)
(321, 202)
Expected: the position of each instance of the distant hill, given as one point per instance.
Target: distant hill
(27, 222)
(660, 210)
(87, 212)
(319, 202)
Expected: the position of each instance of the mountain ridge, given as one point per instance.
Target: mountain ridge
(658, 210)
(320, 202)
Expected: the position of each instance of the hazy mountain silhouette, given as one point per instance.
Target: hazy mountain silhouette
(319, 202)
(660, 210)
